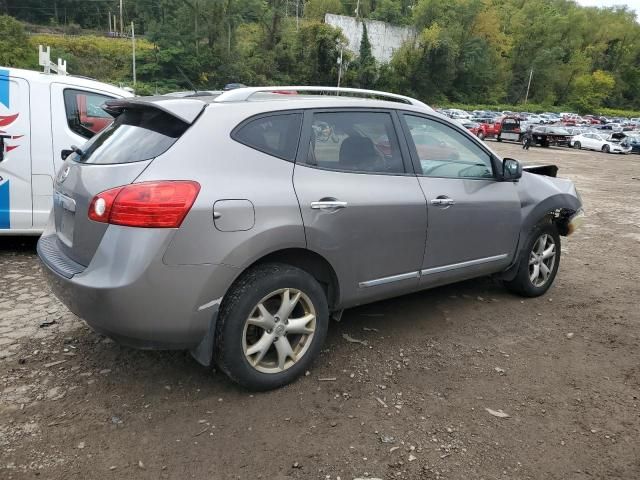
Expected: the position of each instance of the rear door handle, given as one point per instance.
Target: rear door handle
(328, 205)
(443, 201)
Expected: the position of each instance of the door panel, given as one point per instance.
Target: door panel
(482, 224)
(379, 233)
(360, 210)
(15, 164)
(473, 220)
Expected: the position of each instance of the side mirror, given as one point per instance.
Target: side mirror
(65, 153)
(511, 170)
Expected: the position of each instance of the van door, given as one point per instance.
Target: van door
(76, 116)
(15, 154)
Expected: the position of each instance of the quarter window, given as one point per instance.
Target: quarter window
(85, 115)
(275, 135)
(445, 152)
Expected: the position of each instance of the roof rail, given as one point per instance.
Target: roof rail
(245, 93)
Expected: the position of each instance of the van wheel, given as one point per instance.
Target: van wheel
(272, 325)
(539, 262)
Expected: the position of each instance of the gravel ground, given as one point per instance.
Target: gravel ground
(412, 402)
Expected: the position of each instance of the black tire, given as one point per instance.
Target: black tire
(577, 145)
(242, 301)
(498, 138)
(605, 149)
(481, 135)
(522, 283)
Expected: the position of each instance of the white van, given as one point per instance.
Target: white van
(42, 114)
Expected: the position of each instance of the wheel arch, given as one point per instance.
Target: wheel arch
(556, 210)
(309, 261)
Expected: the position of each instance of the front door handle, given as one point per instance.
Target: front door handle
(443, 201)
(328, 205)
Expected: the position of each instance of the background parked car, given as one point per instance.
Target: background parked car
(599, 142)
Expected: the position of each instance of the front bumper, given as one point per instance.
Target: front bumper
(129, 294)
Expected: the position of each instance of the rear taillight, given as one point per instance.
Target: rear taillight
(148, 204)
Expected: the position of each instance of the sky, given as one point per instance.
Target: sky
(633, 4)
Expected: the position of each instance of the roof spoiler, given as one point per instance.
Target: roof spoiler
(185, 109)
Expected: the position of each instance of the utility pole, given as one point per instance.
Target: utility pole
(528, 86)
(195, 9)
(121, 24)
(109, 22)
(339, 68)
(133, 42)
(297, 15)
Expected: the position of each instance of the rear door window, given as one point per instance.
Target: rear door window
(355, 141)
(275, 135)
(136, 134)
(85, 115)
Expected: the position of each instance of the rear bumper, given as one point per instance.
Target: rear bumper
(129, 294)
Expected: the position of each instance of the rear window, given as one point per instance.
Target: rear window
(134, 136)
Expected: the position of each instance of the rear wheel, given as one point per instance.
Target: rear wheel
(272, 325)
(577, 145)
(539, 262)
(481, 135)
(605, 148)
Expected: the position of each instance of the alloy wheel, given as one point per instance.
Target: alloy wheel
(279, 330)
(542, 259)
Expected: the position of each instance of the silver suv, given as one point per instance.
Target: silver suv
(235, 225)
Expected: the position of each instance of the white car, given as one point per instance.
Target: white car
(599, 142)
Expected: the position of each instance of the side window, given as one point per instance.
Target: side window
(355, 142)
(84, 112)
(275, 135)
(445, 152)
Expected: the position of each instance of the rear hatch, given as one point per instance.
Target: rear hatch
(113, 158)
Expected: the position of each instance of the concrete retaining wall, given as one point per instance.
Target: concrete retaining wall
(384, 37)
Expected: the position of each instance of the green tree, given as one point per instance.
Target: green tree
(389, 11)
(591, 90)
(367, 72)
(316, 9)
(15, 50)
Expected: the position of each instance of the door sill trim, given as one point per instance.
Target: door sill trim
(430, 271)
(391, 279)
(469, 263)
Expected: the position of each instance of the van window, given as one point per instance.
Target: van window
(275, 135)
(135, 135)
(85, 115)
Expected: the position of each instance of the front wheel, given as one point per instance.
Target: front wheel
(272, 325)
(539, 262)
(605, 149)
(481, 135)
(577, 145)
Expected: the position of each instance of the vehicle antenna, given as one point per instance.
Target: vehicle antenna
(191, 85)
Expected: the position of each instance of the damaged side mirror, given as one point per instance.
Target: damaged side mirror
(511, 170)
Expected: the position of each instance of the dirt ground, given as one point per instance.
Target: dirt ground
(410, 404)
